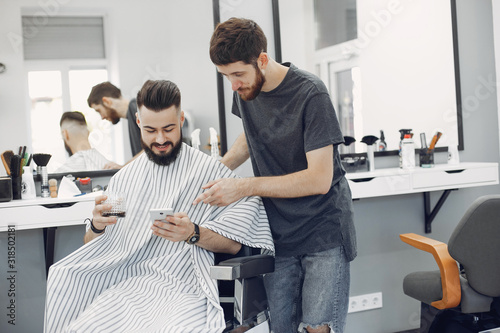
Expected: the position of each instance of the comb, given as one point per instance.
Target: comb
(6, 158)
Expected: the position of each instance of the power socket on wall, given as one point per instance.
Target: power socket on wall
(365, 302)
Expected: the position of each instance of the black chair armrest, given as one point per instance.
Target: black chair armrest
(242, 267)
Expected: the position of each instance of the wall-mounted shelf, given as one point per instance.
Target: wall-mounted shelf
(442, 177)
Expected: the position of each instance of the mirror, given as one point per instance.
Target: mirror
(146, 49)
(398, 73)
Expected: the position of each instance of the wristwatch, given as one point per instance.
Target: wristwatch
(195, 236)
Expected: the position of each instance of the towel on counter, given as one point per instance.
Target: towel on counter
(129, 280)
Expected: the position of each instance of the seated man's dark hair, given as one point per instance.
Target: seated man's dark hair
(159, 95)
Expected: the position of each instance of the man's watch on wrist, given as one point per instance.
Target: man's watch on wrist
(195, 236)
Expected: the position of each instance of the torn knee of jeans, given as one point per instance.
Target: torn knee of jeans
(303, 327)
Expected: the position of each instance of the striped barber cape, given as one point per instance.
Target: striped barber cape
(129, 280)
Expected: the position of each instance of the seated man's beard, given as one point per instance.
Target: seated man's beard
(166, 158)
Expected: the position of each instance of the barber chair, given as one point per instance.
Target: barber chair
(464, 294)
(241, 289)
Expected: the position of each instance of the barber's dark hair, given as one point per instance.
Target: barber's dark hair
(73, 116)
(159, 95)
(104, 89)
(237, 39)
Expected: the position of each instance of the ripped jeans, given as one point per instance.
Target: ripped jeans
(309, 290)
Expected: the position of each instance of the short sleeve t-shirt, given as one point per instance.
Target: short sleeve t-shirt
(133, 129)
(281, 126)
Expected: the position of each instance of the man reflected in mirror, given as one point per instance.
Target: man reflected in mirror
(107, 100)
(75, 135)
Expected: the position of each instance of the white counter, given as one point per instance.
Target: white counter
(445, 177)
(46, 212)
(395, 181)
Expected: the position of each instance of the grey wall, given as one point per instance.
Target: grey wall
(30, 276)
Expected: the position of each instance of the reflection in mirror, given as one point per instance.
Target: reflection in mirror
(404, 74)
(336, 22)
(349, 106)
(117, 51)
(45, 89)
(83, 156)
(64, 58)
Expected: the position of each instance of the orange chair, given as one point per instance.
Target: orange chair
(466, 289)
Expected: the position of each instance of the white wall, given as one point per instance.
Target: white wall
(13, 87)
(148, 39)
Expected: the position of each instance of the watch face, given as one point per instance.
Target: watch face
(194, 239)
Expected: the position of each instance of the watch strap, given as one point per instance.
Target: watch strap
(196, 232)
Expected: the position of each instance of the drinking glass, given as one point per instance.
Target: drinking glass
(118, 200)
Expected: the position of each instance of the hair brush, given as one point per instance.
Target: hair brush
(41, 159)
(6, 158)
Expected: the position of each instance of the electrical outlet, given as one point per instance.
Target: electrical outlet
(365, 302)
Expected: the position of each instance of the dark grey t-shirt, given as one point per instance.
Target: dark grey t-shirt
(133, 129)
(280, 127)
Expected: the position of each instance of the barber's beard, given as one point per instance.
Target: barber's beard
(165, 158)
(256, 87)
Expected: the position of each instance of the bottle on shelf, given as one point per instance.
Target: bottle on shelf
(382, 145)
(407, 152)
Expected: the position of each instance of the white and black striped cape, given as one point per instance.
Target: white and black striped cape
(84, 160)
(128, 280)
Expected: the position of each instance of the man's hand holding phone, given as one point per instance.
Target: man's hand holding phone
(175, 227)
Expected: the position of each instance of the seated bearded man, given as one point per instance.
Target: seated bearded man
(139, 275)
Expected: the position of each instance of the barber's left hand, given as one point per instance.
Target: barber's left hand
(177, 228)
(221, 192)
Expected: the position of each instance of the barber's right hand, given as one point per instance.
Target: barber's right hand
(100, 222)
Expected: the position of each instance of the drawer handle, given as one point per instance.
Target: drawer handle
(454, 171)
(362, 180)
(59, 205)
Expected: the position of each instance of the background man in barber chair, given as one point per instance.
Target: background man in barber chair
(291, 134)
(75, 135)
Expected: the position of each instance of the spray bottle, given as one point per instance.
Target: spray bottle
(403, 132)
(28, 184)
(382, 145)
(408, 152)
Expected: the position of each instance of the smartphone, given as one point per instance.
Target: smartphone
(160, 213)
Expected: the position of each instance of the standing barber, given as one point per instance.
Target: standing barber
(107, 100)
(291, 134)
